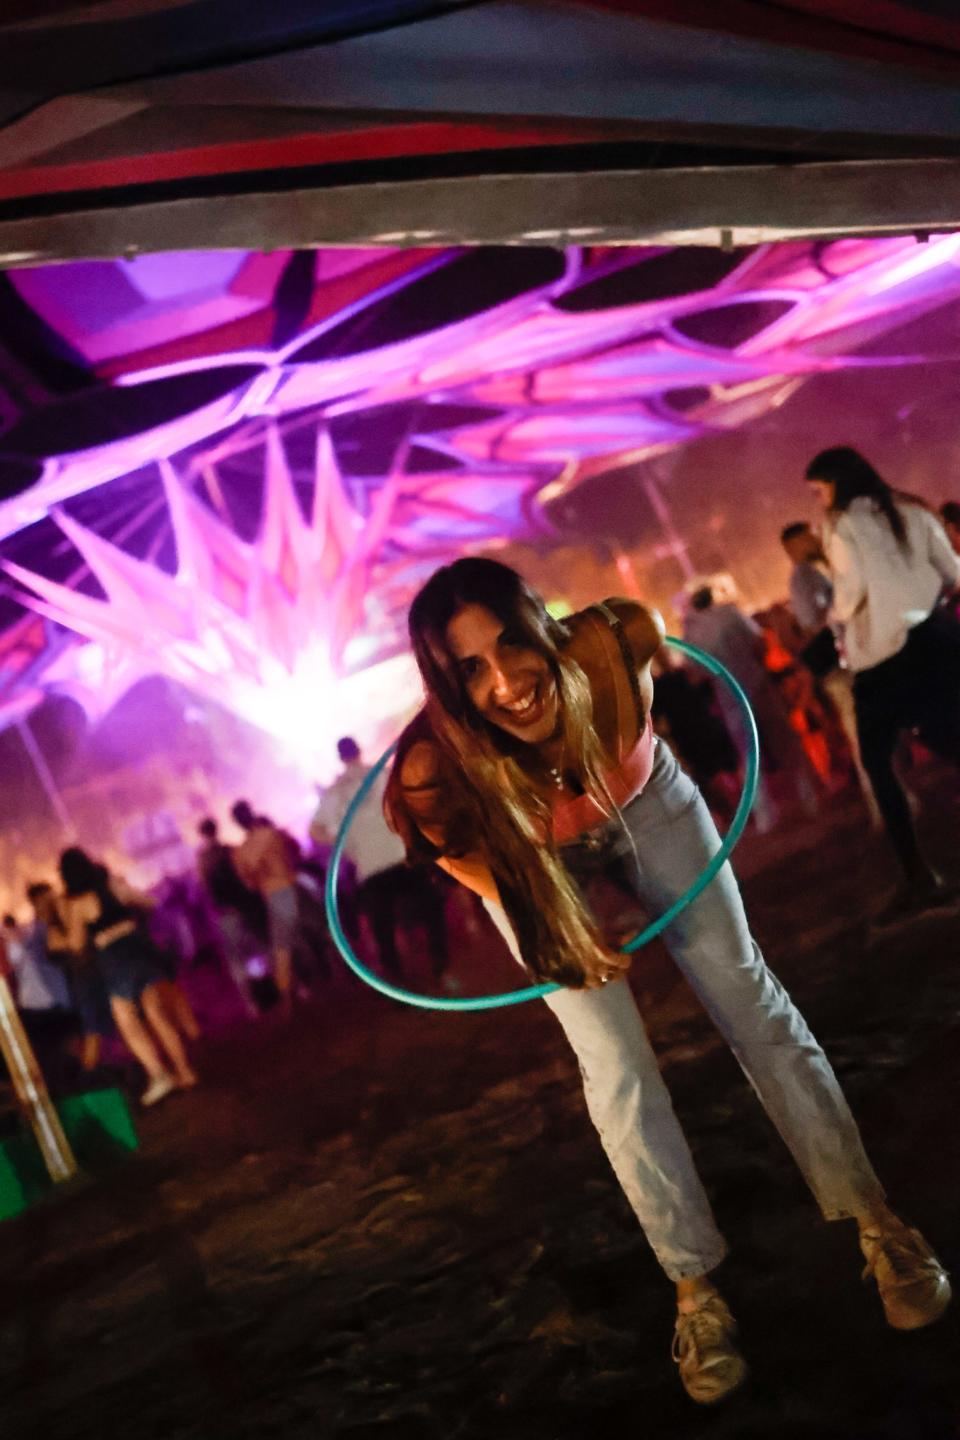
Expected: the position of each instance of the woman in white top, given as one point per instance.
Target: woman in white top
(891, 566)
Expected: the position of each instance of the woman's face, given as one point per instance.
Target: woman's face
(509, 684)
(825, 491)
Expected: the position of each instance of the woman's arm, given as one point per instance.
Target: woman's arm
(421, 789)
(643, 627)
(642, 630)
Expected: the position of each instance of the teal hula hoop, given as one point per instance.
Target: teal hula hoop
(536, 992)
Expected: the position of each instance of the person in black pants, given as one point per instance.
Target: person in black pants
(892, 565)
(400, 897)
(389, 892)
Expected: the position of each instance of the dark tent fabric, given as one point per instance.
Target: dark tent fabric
(213, 87)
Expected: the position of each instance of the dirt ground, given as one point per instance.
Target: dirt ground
(379, 1223)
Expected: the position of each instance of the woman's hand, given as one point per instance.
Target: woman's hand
(604, 966)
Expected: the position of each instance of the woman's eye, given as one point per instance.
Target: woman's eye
(468, 668)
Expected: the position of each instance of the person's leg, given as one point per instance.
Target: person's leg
(282, 909)
(377, 898)
(234, 947)
(136, 1037)
(92, 1008)
(283, 974)
(429, 902)
(312, 952)
(91, 1045)
(674, 837)
(879, 707)
(155, 1012)
(178, 1007)
(783, 749)
(764, 813)
(630, 1106)
(838, 686)
(931, 660)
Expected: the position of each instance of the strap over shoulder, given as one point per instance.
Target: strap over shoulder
(615, 624)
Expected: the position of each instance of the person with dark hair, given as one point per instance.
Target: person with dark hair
(534, 765)
(241, 917)
(950, 515)
(265, 862)
(891, 565)
(100, 920)
(811, 599)
(88, 993)
(388, 890)
(737, 641)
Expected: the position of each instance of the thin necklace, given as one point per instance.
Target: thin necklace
(556, 771)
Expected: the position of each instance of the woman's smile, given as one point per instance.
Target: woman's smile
(527, 708)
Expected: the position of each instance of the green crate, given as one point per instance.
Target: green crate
(98, 1126)
(23, 1175)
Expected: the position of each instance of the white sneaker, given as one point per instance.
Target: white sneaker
(158, 1089)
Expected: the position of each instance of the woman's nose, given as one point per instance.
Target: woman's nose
(501, 682)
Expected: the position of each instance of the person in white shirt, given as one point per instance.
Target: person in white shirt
(891, 564)
(41, 985)
(42, 991)
(386, 884)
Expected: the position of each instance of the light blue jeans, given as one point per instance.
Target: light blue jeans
(666, 838)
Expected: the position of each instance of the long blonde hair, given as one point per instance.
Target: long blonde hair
(491, 801)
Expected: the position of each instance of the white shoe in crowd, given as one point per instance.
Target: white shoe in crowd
(158, 1089)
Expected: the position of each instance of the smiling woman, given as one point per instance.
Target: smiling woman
(534, 766)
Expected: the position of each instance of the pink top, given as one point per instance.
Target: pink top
(571, 817)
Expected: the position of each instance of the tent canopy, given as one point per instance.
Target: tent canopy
(117, 115)
(209, 376)
(219, 463)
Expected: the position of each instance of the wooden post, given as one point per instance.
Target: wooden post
(31, 1091)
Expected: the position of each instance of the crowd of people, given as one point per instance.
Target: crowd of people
(543, 758)
(98, 959)
(836, 678)
(848, 681)
(85, 965)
